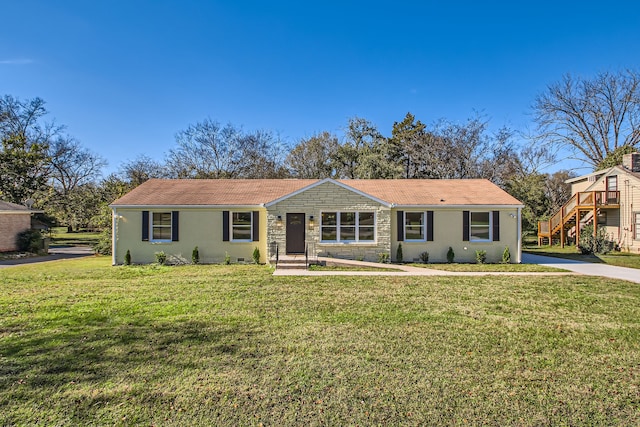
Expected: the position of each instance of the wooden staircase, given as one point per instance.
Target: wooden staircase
(581, 209)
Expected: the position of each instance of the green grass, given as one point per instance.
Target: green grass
(508, 268)
(83, 343)
(620, 259)
(60, 237)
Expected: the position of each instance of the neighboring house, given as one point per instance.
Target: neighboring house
(353, 219)
(611, 196)
(14, 219)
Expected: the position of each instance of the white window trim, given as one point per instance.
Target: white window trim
(424, 226)
(170, 226)
(490, 239)
(231, 239)
(357, 226)
(636, 222)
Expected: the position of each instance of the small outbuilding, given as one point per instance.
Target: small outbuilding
(14, 219)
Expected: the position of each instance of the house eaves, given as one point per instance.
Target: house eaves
(616, 170)
(450, 206)
(187, 206)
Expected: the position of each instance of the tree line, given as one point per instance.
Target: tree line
(596, 119)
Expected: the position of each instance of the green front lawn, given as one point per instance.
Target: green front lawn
(60, 237)
(488, 268)
(84, 343)
(621, 259)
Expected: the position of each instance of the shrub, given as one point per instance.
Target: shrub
(195, 256)
(481, 257)
(127, 258)
(227, 258)
(29, 241)
(256, 256)
(424, 257)
(450, 255)
(103, 245)
(399, 254)
(506, 255)
(594, 245)
(383, 258)
(161, 257)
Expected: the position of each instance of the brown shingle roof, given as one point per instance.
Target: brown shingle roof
(12, 207)
(221, 192)
(434, 191)
(229, 192)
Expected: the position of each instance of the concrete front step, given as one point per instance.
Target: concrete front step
(291, 266)
(292, 262)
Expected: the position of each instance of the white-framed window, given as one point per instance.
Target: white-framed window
(241, 226)
(347, 226)
(415, 225)
(636, 228)
(160, 226)
(480, 226)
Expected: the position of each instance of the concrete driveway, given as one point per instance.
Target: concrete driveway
(588, 268)
(55, 253)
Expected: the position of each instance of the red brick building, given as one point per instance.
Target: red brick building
(14, 219)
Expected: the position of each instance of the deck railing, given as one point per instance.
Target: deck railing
(582, 200)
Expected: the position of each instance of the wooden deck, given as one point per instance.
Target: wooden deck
(581, 207)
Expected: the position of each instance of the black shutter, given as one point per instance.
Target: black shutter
(174, 226)
(429, 226)
(256, 226)
(400, 226)
(145, 226)
(496, 225)
(225, 226)
(465, 226)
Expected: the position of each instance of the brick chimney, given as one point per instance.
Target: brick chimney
(631, 162)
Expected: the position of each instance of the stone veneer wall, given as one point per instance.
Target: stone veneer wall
(329, 197)
(10, 225)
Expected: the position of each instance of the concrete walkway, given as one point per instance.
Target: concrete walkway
(55, 254)
(581, 267)
(399, 270)
(575, 267)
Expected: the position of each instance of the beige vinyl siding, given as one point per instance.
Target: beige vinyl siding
(447, 232)
(200, 227)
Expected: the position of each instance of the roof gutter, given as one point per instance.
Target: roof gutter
(261, 205)
(458, 206)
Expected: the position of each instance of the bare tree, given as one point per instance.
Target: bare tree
(311, 157)
(141, 169)
(73, 173)
(205, 150)
(72, 165)
(209, 150)
(593, 117)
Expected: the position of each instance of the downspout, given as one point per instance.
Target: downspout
(519, 260)
(114, 234)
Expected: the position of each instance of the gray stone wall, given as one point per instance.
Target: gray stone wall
(330, 197)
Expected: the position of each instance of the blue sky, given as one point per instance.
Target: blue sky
(126, 76)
